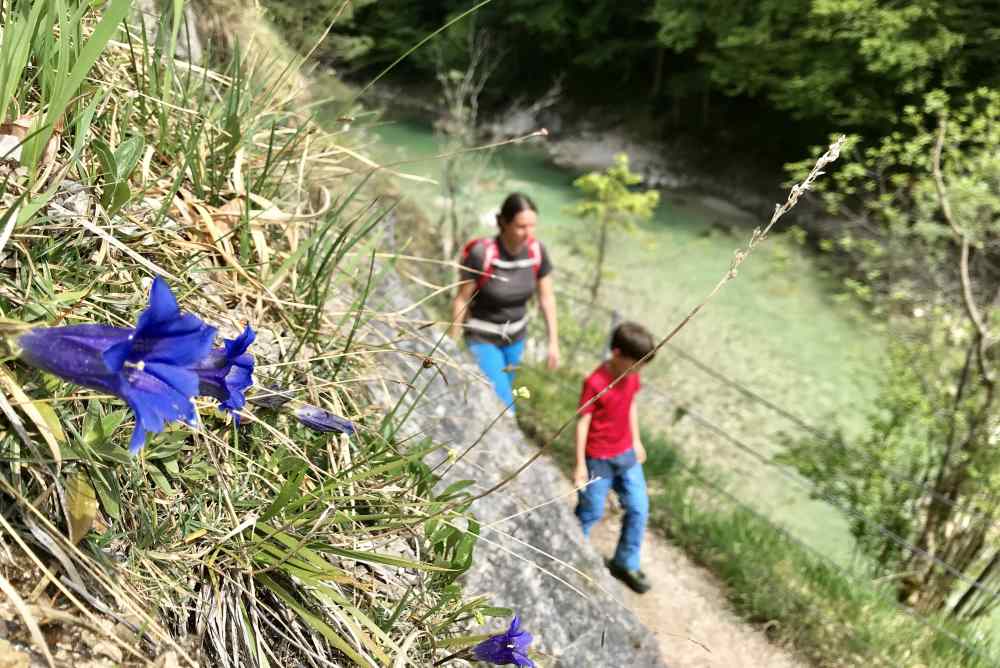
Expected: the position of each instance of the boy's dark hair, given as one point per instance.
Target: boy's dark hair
(633, 341)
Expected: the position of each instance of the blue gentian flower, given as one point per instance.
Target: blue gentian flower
(509, 647)
(149, 365)
(318, 419)
(227, 372)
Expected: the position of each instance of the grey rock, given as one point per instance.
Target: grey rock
(515, 561)
(189, 46)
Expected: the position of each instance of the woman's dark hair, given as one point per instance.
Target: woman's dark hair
(513, 205)
(633, 341)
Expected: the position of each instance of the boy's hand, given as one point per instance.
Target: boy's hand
(580, 475)
(640, 452)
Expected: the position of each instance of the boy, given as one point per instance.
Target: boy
(609, 451)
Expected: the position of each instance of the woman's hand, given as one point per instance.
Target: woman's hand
(580, 475)
(547, 301)
(554, 357)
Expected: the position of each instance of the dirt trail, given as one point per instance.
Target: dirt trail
(687, 601)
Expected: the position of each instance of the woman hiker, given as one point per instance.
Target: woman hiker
(499, 275)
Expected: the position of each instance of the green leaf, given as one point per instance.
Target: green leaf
(115, 192)
(127, 157)
(463, 551)
(453, 489)
(107, 490)
(312, 620)
(288, 490)
(70, 81)
(51, 419)
(84, 121)
(81, 505)
(159, 479)
(376, 558)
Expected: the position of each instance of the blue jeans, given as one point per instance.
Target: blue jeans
(494, 359)
(624, 474)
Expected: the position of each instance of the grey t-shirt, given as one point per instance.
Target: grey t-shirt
(504, 297)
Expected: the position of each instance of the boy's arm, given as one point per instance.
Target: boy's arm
(633, 421)
(580, 470)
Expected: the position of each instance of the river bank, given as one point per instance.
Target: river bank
(575, 141)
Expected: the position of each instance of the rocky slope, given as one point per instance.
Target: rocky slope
(532, 556)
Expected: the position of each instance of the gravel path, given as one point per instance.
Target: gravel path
(687, 602)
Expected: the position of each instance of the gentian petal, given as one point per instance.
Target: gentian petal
(162, 309)
(138, 440)
(318, 419)
(116, 355)
(227, 373)
(490, 650)
(506, 648)
(184, 343)
(184, 381)
(521, 659)
(158, 394)
(164, 334)
(74, 353)
(238, 346)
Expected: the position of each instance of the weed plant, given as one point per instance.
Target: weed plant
(261, 544)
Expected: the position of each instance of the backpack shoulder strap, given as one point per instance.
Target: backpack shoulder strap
(490, 253)
(535, 253)
(467, 248)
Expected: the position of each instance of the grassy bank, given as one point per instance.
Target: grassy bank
(260, 543)
(831, 615)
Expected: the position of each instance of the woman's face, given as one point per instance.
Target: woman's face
(519, 230)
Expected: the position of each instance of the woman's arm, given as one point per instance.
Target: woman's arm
(547, 300)
(460, 307)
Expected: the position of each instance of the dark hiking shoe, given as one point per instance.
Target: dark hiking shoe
(635, 580)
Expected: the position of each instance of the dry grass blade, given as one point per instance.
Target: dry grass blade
(31, 410)
(29, 620)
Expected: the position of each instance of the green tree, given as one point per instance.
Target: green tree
(852, 61)
(462, 168)
(925, 243)
(329, 26)
(608, 202)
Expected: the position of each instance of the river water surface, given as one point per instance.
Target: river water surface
(781, 328)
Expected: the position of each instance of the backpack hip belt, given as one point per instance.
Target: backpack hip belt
(506, 330)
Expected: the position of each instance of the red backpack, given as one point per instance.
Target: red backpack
(491, 251)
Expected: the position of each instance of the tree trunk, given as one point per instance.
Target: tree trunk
(658, 73)
(950, 534)
(602, 243)
(977, 588)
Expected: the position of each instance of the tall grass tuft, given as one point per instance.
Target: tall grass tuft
(255, 545)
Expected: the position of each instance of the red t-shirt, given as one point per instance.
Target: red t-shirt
(610, 433)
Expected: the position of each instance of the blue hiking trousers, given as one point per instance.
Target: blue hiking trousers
(623, 474)
(494, 361)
